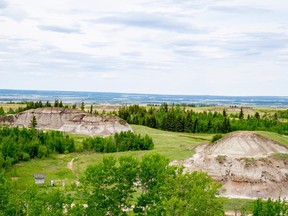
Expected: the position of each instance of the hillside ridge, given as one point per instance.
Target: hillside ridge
(68, 120)
(245, 163)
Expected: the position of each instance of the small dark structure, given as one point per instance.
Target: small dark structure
(39, 178)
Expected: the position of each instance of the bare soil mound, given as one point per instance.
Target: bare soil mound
(245, 144)
(245, 164)
(69, 120)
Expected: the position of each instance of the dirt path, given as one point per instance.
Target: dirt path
(70, 164)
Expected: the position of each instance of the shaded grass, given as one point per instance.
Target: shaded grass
(237, 205)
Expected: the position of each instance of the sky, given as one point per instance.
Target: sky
(190, 47)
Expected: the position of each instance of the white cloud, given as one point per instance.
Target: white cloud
(177, 46)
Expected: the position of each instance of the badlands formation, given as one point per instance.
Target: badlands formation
(245, 164)
(68, 120)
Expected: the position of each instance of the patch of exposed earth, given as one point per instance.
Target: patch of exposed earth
(68, 120)
(245, 164)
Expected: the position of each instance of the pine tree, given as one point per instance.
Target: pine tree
(224, 113)
(2, 112)
(241, 114)
(82, 106)
(257, 115)
(47, 104)
(56, 103)
(33, 122)
(60, 104)
(91, 108)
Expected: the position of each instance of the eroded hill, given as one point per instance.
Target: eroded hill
(245, 163)
(68, 120)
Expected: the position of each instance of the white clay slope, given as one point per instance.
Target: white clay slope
(244, 163)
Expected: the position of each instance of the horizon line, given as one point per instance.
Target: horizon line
(141, 93)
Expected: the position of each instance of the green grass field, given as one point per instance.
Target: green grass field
(8, 106)
(174, 146)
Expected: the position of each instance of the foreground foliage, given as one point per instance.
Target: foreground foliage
(120, 186)
(125, 185)
(164, 190)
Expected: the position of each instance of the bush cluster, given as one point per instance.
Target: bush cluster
(23, 144)
(123, 141)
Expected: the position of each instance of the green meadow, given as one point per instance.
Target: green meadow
(174, 146)
(70, 167)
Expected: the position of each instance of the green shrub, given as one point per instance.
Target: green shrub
(123, 141)
(25, 156)
(216, 137)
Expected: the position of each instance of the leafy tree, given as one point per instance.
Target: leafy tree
(154, 171)
(37, 202)
(270, 207)
(193, 194)
(111, 186)
(5, 191)
(164, 190)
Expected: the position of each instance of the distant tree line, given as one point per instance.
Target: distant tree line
(24, 144)
(123, 141)
(35, 105)
(179, 119)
